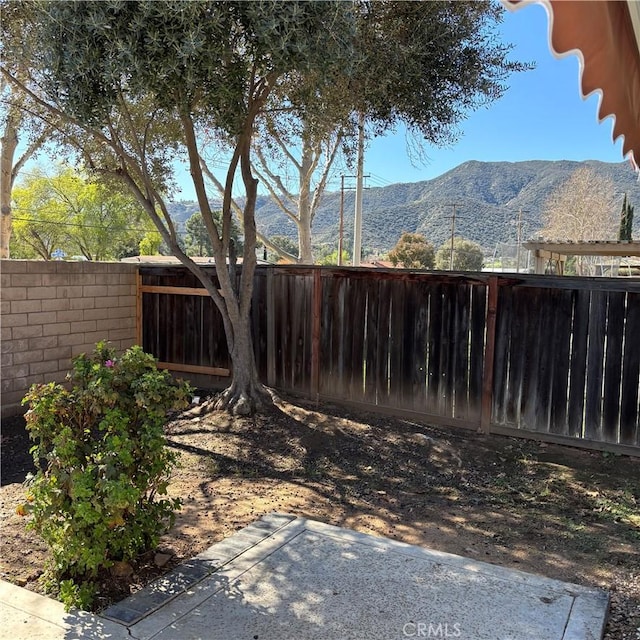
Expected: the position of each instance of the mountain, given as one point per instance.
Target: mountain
(488, 197)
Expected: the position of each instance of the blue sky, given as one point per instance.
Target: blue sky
(542, 116)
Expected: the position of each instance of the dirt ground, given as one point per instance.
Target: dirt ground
(560, 512)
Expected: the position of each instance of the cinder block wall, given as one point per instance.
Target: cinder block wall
(52, 311)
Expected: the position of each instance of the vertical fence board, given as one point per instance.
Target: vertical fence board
(503, 329)
(519, 328)
(531, 365)
(300, 317)
(561, 344)
(629, 431)
(434, 346)
(545, 346)
(334, 378)
(355, 355)
(259, 331)
(595, 356)
(384, 343)
(613, 366)
(461, 352)
(396, 360)
(577, 367)
(326, 335)
(446, 338)
(373, 335)
(419, 329)
(476, 353)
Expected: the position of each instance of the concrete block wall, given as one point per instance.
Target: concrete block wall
(52, 311)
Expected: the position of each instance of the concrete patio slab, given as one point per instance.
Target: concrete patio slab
(306, 579)
(287, 578)
(25, 615)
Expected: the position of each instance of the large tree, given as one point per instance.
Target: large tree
(582, 208)
(423, 64)
(140, 80)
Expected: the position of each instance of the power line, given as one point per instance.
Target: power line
(78, 224)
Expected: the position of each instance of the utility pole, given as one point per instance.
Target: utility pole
(519, 238)
(341, 227)
(453, 230)
(357, 219)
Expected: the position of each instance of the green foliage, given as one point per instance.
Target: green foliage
(68, 211)
(426, 65)
(626, 221)
(413, 251)
(98, 497)
(150, 244)
(331, 259)
(197, 241)
(288, 245)
(467, 255)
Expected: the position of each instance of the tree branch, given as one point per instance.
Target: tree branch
(29, 151)
(275, 179)
(276, 198)
(318, 192)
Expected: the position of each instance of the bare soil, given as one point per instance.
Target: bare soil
(557, 511)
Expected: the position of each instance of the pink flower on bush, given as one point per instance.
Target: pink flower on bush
(109, 364)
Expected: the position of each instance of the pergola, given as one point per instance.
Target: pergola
(552, 255)
(606, 37)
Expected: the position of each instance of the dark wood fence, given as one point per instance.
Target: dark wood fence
(546, 357)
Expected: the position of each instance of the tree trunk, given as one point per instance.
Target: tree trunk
(246, 394)
(9, 144)
(305, 253)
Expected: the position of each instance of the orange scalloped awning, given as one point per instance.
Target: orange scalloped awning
(603, 31)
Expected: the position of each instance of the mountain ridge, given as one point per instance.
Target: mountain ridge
(488, 198)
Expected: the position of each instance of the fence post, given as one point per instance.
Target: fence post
(138, 308)
(271, 331)
(489, 355)
(315, 331)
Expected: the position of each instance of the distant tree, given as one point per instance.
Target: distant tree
(582, 208)
(196, 239)
(331, 259)
(413, 251)
(467, 255)
(626, 221)
(69, 212)
(150, 244)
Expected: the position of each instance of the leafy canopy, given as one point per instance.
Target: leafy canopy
(413, 251)
(467, 255)
(188, 55)
(67, 211)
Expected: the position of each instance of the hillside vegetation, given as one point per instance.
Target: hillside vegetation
(488, 196)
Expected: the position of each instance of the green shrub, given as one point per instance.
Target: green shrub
(102, 466)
